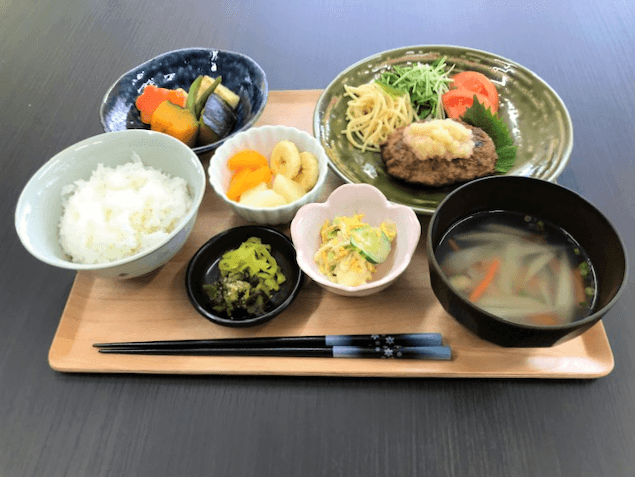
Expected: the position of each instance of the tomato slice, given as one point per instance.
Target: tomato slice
(478, 83)
(457, 101)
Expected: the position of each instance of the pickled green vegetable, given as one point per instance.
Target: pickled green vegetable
(250, 276)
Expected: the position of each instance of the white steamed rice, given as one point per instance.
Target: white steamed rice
(120, 212)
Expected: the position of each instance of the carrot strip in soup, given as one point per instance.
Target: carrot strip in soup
(489, 277)
(453, 245)
(544, 319)
(578, 282)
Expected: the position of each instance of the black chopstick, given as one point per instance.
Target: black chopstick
(399, 339)
(378, 352)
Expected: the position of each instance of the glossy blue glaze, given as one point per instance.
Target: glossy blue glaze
(399, 339)
(393, 352)
(178, 69)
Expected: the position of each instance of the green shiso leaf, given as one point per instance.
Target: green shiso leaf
(479, 116)
(506, 158)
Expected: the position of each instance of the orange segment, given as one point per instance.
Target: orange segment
(246, 179)
(248, 158)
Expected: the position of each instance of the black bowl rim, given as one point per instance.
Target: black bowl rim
(257, 320)
(565, 327)
(200, 150)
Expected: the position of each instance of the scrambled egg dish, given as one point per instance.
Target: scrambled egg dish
(350, 249)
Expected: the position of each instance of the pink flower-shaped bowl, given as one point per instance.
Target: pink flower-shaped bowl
(348, 200)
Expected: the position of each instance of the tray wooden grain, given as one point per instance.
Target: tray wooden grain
(156, 307)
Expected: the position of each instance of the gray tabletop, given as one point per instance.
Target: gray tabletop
(58, 59)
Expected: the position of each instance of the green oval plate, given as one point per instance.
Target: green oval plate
(534, 113)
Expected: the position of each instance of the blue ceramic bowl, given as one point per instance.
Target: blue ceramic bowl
(178, 69)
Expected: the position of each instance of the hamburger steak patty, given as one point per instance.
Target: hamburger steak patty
(402, 162)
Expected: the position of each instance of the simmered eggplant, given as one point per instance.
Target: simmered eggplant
(217, 119)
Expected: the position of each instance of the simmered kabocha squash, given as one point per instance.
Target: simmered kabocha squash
(178, 122)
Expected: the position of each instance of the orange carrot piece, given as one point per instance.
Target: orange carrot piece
(152, 96)
(554, 265)
(178, 97)
(578, 282)
(489, 276)
(248, 158)
(542, 319)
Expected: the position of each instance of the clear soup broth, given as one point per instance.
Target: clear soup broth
(519, 268)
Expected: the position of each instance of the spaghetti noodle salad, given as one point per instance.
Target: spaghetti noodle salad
(373, 113)
(397, 98)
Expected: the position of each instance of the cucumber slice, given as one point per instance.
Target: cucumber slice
(372, 243)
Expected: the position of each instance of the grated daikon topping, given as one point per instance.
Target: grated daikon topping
(441, 138)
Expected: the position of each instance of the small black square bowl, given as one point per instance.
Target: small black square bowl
(203, 269)
(550, 202)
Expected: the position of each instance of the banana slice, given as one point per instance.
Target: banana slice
(287, 188)
(309, 171)
(285, 159)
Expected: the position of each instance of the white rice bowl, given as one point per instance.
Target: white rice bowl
(41, 203)
(120, 211)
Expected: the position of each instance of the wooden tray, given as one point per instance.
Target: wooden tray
(156, 307)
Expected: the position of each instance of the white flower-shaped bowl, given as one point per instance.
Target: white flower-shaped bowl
(263, 139)
(348, 200)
